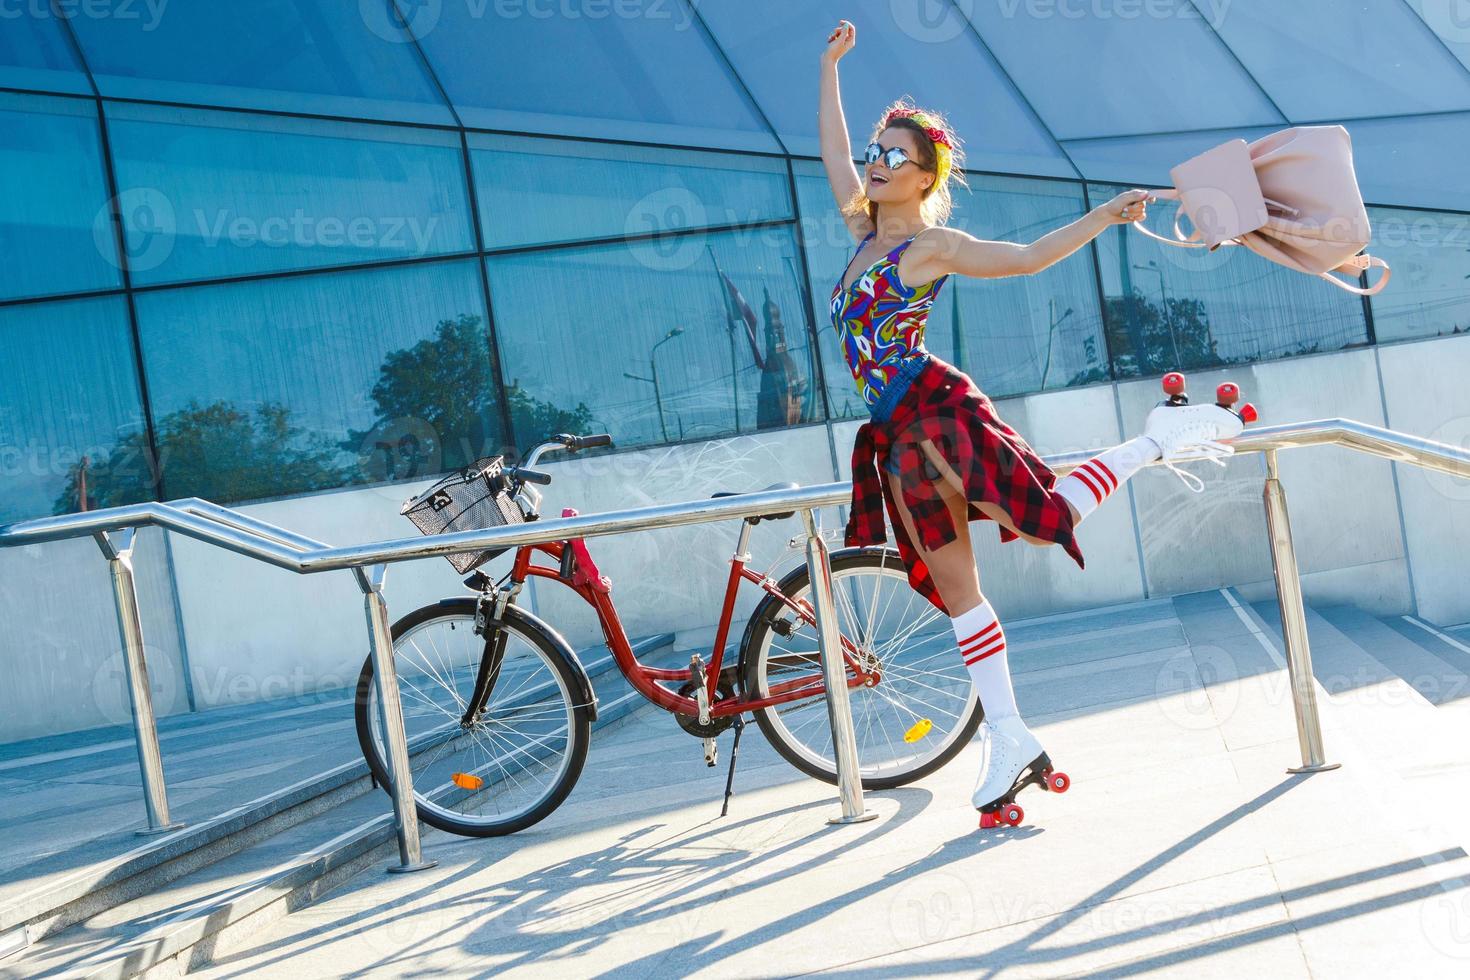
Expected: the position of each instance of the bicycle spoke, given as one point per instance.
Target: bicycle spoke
(506, 763)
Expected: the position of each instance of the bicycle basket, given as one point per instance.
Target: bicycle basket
(471, 499)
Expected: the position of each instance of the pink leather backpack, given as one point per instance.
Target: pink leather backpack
(1291, 197)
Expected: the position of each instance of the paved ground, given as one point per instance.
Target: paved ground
(1184, 848)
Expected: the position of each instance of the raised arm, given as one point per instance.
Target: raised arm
(842, 176)
(947, 250)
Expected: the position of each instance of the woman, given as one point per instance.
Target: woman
(947, 457)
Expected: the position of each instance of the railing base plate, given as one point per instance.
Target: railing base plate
(403, 869)
(167, 828)
(1324, 767)
(863, 817)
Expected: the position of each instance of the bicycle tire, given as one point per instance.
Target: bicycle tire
(553, 652)
(759, 626)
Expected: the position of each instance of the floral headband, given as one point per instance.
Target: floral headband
(943, 144)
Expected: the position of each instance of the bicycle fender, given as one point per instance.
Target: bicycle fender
(558, 643)
(563, 650)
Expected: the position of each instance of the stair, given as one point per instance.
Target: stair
(173, 900)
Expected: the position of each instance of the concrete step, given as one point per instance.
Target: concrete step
(1432, 676)
(1453, 650)
(1339, 663)
(106, 899)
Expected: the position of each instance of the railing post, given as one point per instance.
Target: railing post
(1293, 624)
(834, 676)
(390, 716)
(119, 555)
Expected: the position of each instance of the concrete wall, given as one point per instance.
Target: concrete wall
(63, 662)
(250, 631)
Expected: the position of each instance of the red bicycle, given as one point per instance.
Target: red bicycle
(498, 709)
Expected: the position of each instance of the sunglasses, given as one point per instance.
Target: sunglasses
(893, 157)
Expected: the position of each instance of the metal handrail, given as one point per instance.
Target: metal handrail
(243, 534)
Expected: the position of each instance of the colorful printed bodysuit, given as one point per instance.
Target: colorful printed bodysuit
(880, 325)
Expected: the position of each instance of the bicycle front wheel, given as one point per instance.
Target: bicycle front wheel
(491, 773)
(920, 714)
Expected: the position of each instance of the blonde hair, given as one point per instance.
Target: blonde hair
(937, 202)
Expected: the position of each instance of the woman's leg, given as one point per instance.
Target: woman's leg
(956, 487)
(982, 646)
(953, 567)
(977, 630)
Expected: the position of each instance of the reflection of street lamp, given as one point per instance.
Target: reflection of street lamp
(1051, 328)
(1168, 317)
(653, 370)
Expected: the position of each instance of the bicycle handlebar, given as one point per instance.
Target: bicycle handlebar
(574, 443)
(525, 475)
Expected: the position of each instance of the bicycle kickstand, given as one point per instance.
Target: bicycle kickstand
(734, 753)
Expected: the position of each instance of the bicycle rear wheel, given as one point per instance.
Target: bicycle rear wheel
(507, 768)
(920, 714)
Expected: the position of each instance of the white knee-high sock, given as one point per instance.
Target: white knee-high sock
(1095, 480)
(982, 644)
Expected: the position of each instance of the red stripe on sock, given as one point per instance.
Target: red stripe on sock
(972, 658)
(1082, 477)
(991, 628)
(969, 651)
(1104, 467)
(1093, 471)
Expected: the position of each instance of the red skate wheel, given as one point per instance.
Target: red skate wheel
(1058, 782)
(1248, 412)
(1173, 383)
(1013, 814)
(989, 820)
(1227, 393)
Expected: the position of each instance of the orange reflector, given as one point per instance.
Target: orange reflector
(465, 781)
(919, 729)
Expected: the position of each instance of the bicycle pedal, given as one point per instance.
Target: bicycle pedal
(711, 753)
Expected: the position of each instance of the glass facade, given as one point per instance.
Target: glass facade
(274, 248)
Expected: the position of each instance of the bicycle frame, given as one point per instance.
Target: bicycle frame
(596, 590)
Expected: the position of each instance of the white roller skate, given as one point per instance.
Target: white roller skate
(1013, 759)
(1184, 431)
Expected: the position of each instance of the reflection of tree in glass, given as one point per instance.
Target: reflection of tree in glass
(435, 405)
(534, 419)
(219, 452)
(437, 411)
(1183, 324)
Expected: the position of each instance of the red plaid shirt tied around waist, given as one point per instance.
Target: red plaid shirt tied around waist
(942, 405)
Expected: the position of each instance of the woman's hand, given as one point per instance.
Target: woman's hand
(840, 41)
(1127, 207)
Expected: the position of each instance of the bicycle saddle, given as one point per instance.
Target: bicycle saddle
(764, 517)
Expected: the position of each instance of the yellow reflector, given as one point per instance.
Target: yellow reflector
(465, 781)
(919, 729)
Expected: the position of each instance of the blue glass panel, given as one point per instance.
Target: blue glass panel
(1412, 160)
(1429, 253)
(34, 53)
(208, 194)
(1171, 308)
(1110, 67)
(56, 234)
(1145, 160)
(544, 191)
(1417, 161)
(70, 415)
(1319, 58)
(644, 72)
(675, 358)
(309, 382)
(924, 50)
(1013, 335)
(316, 56)
(1448, 21)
